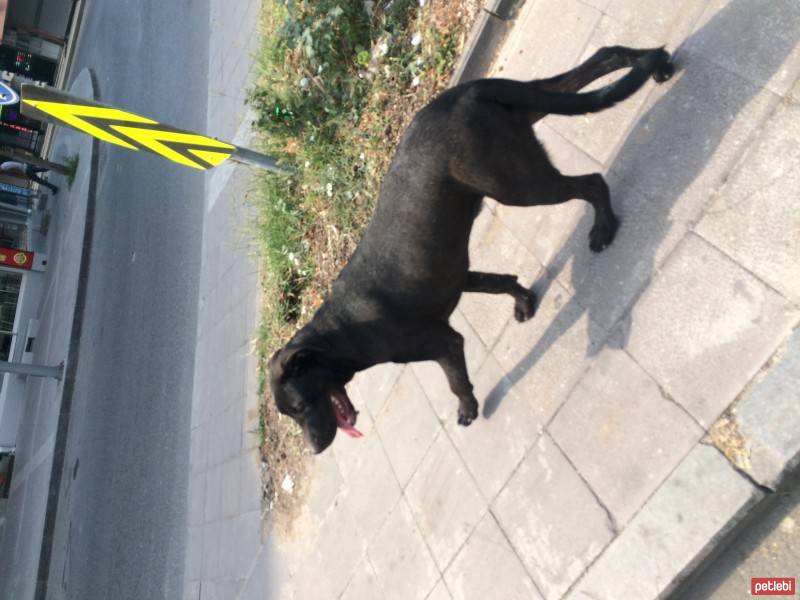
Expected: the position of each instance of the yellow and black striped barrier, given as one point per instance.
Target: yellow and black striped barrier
(135, 132)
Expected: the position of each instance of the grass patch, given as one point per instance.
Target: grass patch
(338, 82)
(72, 169)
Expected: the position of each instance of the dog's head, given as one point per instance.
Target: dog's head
(312, 393)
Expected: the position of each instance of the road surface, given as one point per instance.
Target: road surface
(121, 526)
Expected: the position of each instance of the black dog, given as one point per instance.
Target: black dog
(392, 301)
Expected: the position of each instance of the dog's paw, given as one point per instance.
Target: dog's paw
(525, 308)
(664, 72)
(602, 234)
(467, 414)
(665, 69)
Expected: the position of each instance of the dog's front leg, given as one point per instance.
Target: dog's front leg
(446, 346)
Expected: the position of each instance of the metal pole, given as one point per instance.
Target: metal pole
(256, 159)
(26, 157)
(32, 370)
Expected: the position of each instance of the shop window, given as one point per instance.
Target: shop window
(13, 235)
(9, 295)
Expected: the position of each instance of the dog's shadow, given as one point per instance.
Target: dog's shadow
(658, 180)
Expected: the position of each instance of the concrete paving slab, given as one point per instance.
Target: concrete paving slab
(598, 4)
(445, 501)
(695, 506)
(228, 545)
(364, 584)
(440, 592)
(214, 491)
(211, 545)
(761, 432)
(198, 448)
(233, 417)
(375, 384)
(705, 327)
(487, 567)
(493, 447)
(250, 482)
(194, 553)
(621, 434)
(230, 487)
(407, 426)
(258, 584)
(560, 37)
(686, 142)
(545, 356)
(752, 219)
(531, 510)
(191, 591)
(230, 503)
(324, 489)
(197, 497)
(433, 379)
(336, 547)
(370, 488)
(245, 538)
(498, 252)
(757, 39)
(652, 22)
(403, 564)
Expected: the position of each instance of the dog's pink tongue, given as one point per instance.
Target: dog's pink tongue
(351, 431)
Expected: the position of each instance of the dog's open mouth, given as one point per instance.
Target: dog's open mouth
(345, 412)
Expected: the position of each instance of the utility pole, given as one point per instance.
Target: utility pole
(30, 370)
(31, 159)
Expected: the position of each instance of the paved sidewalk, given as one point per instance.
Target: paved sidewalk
(225, 556)
(592, 473)
(21, 533)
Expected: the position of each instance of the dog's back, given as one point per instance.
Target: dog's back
(414, 252)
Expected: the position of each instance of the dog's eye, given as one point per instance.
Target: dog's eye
(294, 411)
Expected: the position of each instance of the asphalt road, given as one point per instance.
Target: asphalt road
(767, 546)
(121, 527)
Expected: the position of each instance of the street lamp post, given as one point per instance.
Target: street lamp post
(30, 370)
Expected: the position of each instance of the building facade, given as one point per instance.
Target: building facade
(32, 44)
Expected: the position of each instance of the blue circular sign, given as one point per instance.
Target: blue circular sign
(7, 95)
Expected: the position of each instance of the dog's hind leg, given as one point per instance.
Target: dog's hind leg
(560, 188)
(514, 169)
(495, 283)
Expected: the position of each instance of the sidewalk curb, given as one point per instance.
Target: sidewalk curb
(70, 370)
(493, 23)
(770, 480)
(683, 585)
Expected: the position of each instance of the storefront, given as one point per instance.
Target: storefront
(31, 45)
(22, 266)
(30, 55)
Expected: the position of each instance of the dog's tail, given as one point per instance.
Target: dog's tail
(529, 95)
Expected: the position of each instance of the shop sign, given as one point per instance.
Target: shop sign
(7, 95)
(17, 259)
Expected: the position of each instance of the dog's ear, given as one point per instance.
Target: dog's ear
(288, 362)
